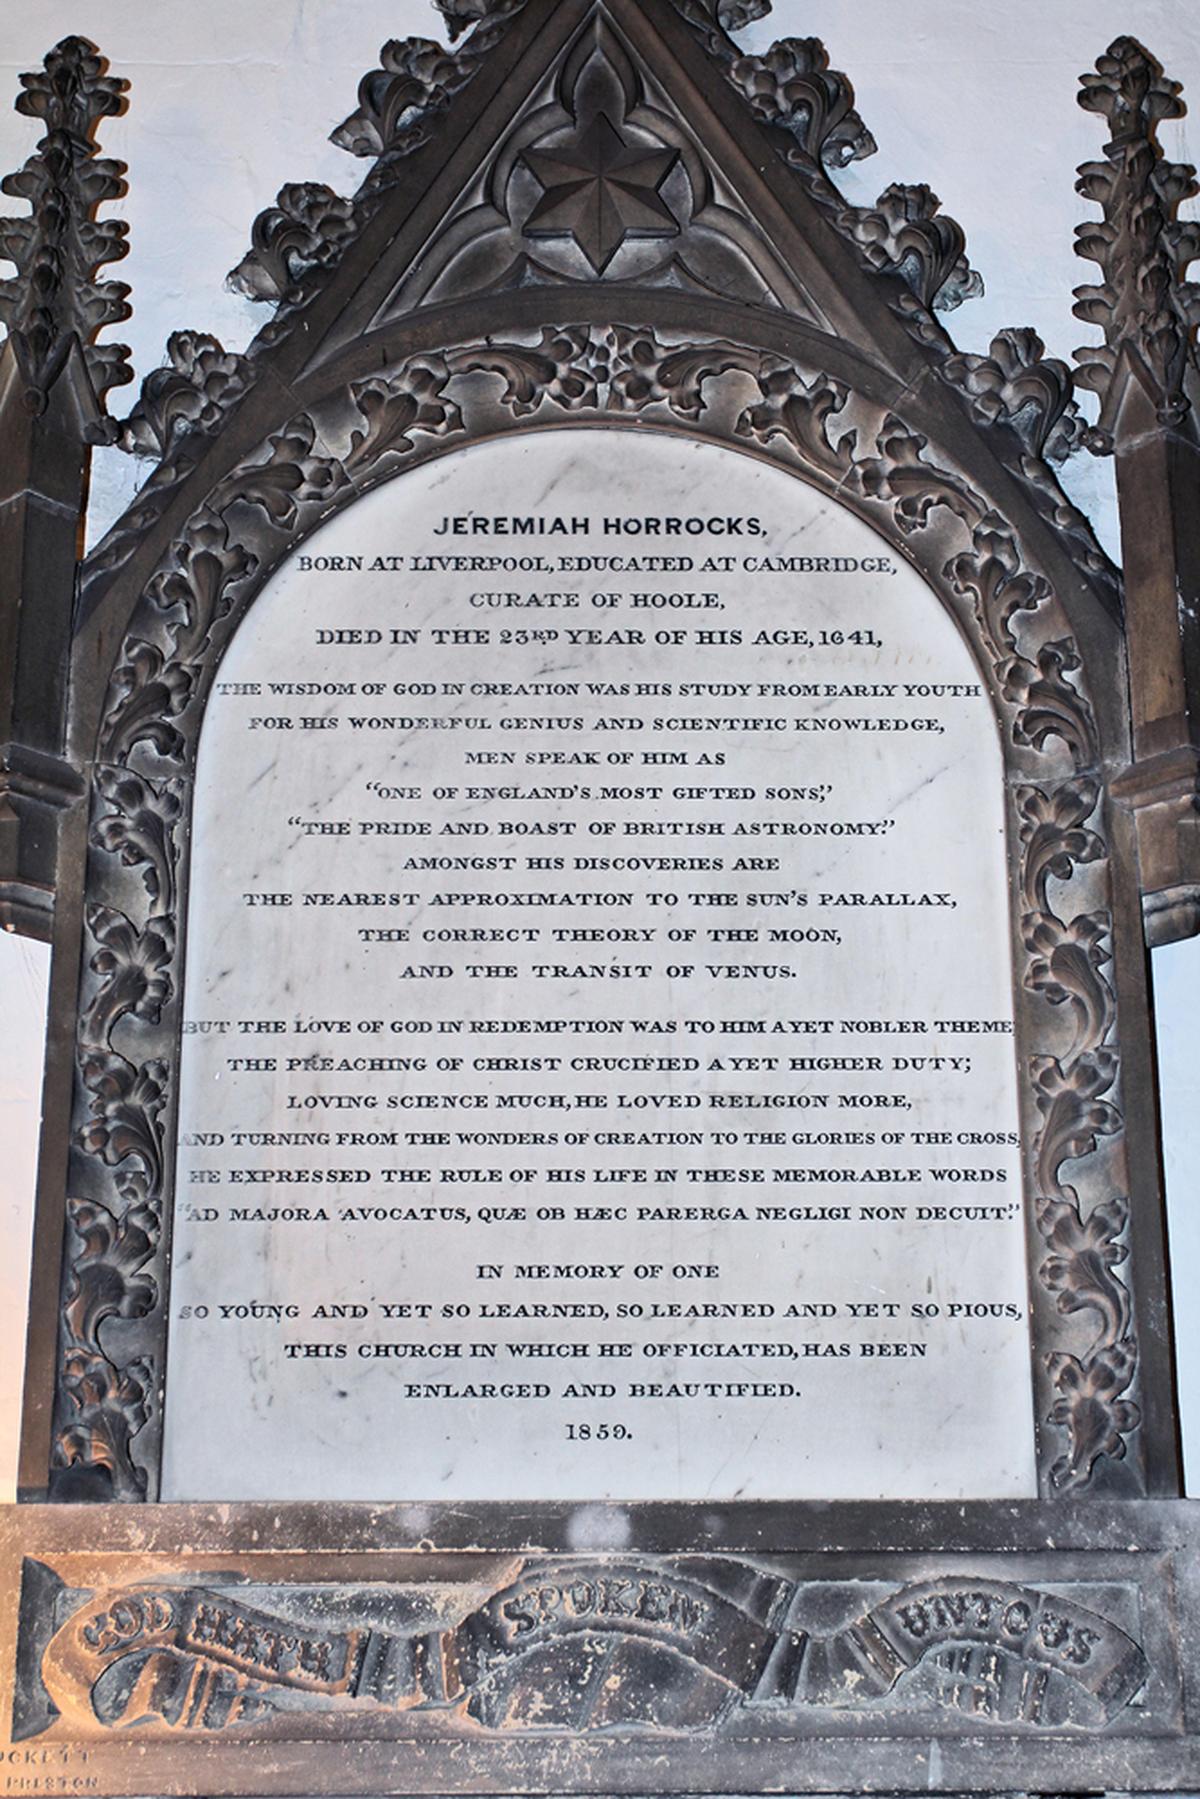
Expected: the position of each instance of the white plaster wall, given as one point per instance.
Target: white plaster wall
(228, 101)
(24, 975)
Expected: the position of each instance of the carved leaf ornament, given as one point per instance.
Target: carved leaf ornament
(352, 432)
(792, 85)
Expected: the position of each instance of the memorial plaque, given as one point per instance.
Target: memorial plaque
(598, 1075)
(600, 816)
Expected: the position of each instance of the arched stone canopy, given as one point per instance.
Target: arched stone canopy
(448, 303)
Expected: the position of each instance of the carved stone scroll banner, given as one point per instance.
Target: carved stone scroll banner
(584, 1645)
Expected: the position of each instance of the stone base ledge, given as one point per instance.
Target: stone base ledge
(659, 1648)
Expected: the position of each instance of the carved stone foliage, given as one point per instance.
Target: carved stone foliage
(602, 176)
(1026, 397)
(55, 300)
(1145, 306)
(1017, 384)
(116, 1233)
(416, 79)
(516, 229)
(735, 15)
(685, 1643)
(155, 683)
(1065, 949)
(906, 233)
(808, 109)
(180, 405)
(309, 226)
(192, 392)
(119, 1168)
(867, 456)
(791, 85)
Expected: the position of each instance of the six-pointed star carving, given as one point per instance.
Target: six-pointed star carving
(601, 190)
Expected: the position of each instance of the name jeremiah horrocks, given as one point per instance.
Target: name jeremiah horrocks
(480, 524)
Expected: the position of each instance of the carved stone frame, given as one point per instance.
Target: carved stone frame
(1043, 639)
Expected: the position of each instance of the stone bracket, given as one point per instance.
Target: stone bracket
(34, 791)
(1163, 794)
